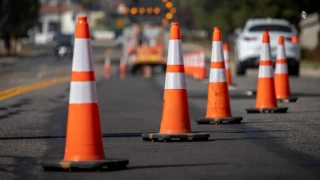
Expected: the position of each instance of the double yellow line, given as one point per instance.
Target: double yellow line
(30, 87)
(38, 85)
(42, 84)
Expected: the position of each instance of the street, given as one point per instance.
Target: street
(263, 146)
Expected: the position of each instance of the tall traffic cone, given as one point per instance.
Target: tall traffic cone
(84, 146)
(218, 104)
(227, 64)
(281, 78)
(175, 123)
(266, 97)
(107, 66)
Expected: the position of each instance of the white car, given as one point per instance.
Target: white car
(248, 44)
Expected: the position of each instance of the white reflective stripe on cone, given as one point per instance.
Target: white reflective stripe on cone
(225, 55)
(203, 60)
(198, 64)
(227, 65)
(265, 52)
(83, 92)
(107, 61)
(281, 69)
(265, 71)
(217, 75)
(82, 58)
(175, 53)
(175, 80)
(217, 54)
(281, 52)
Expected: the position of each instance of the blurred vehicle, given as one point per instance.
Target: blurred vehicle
(149, 49)
(63, 48)
(248, 44)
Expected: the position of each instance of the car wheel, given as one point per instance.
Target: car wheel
(164, 68)
(241, 71)
(294, 70)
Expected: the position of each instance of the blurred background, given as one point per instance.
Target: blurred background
(41, 22)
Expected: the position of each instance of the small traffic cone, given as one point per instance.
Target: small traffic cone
(122, 68)
(192, 64)
(266, 97)
(218, 104)
(189, 67)
(227, 64)
(84, 146)
(175, 123)
(281, 78)
(195, 55)
(107, 67)
(202, 65)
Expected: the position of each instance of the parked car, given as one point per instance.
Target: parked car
(248, 44)
(63, 50)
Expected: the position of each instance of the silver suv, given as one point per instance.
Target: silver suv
(248, 44)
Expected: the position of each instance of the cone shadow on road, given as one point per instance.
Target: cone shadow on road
(242, 131)
(121, 135)
(297, 94)
(245, 138)
(105, 135)
(174, 165)
(204, 95)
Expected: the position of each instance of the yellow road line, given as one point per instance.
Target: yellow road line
(38, 85)
(30, 87)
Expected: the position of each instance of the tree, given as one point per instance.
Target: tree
(230, 14)
(17, 17)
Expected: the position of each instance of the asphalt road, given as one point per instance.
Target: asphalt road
(264, 146)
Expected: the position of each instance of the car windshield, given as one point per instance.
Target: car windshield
(270, 28)
(64, 43)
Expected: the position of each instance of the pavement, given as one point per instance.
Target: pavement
(264, 146)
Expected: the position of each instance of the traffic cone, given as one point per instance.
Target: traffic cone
(281, 78)
(175, 123)
(189, 67)
(218, 104)
(122, 68)
(107, 66)
(84, 146)
(266, 97)
(202, 65)
(227, 64)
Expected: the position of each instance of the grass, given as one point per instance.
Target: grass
(310, 64)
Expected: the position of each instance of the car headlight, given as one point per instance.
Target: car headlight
(63, 50)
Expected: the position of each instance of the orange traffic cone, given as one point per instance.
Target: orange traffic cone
(107, 66)
(189, 64)
(122, 68)
(218, 104)
(266, 97)
(281, 78)
(84, 146)
(175, 123)
(227, 63)
(202, 68)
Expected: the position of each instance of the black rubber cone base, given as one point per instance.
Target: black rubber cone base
(267, 110)
(226, 120)
(176, 137)
(288, 100)
(98, 165)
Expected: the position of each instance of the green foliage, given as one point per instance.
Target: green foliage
(19, 15)
(230, 14)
